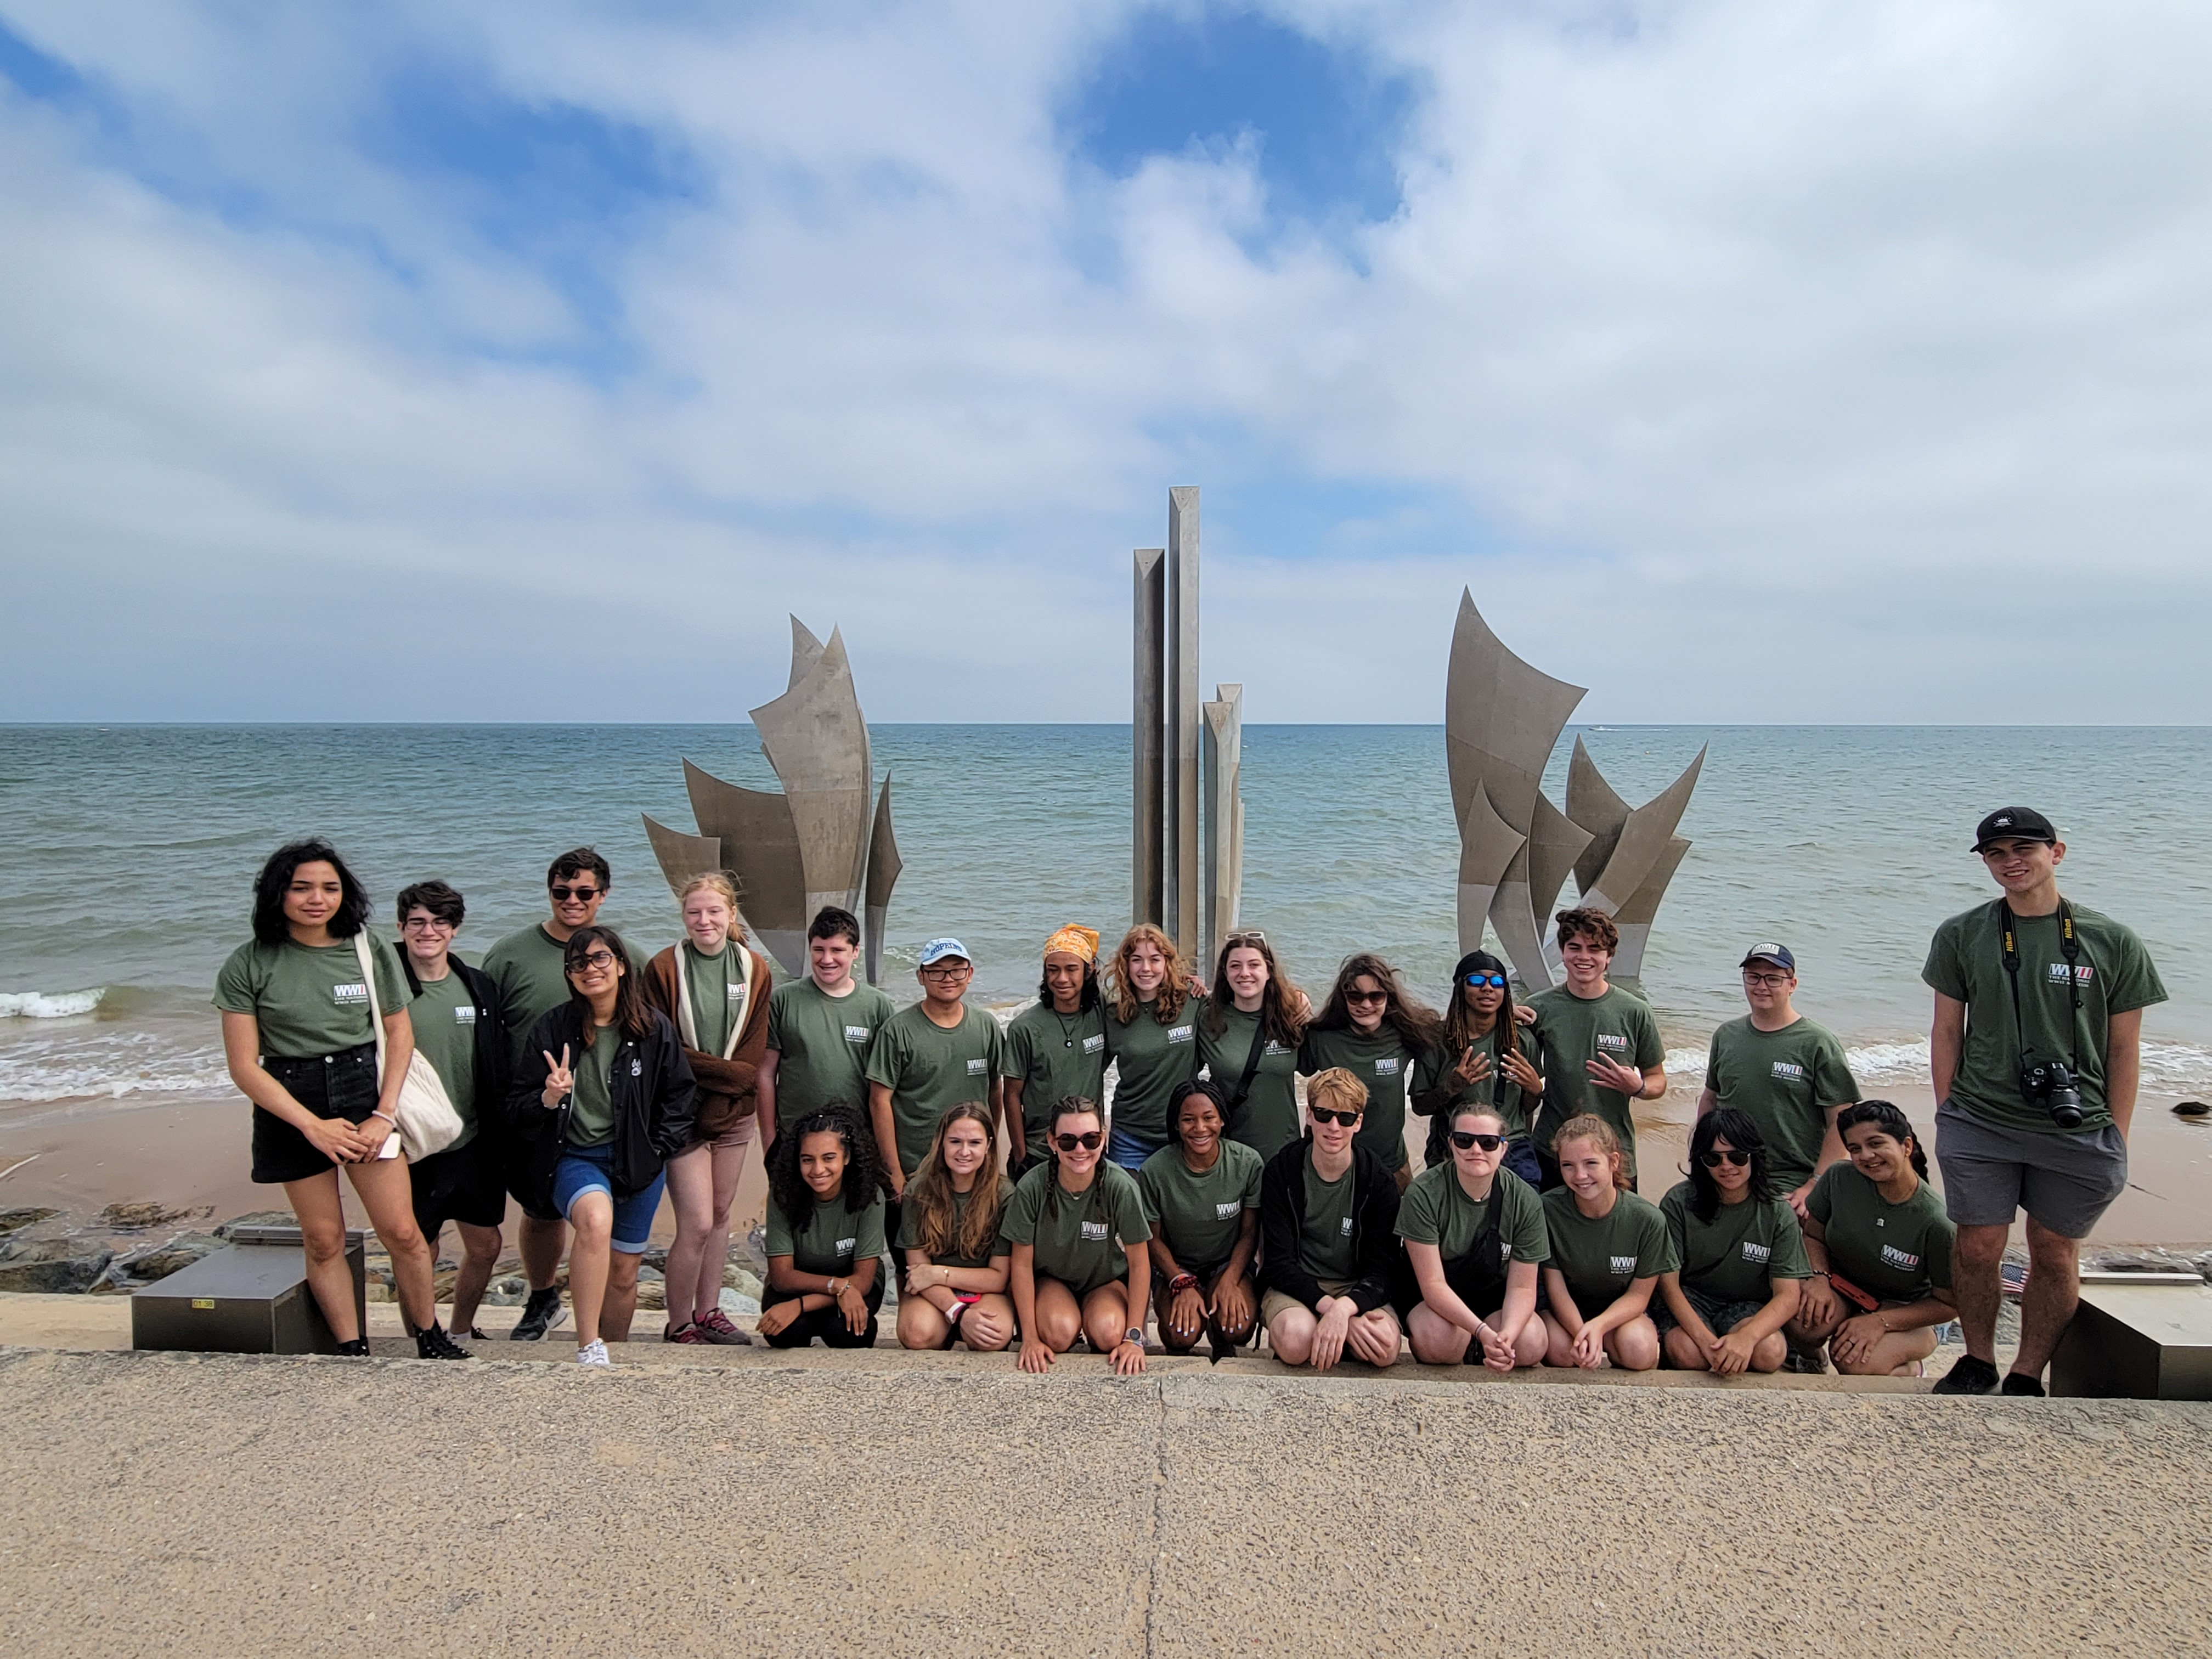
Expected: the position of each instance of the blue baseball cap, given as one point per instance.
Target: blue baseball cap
(1777, 954)
(937, 949)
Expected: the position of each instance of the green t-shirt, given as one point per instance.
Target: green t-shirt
(445, 1021)
(1571, 1032)
(1439, 1068)
(592, 1103)
(717, 984)
(1895, 1252)
(1079, 1237)
(1600, 1258)
(1268, 1121)
(308, 1000)
(526, 967)
(909, 1236)
(834, 1241)
(1054, 1055)
(1783, 1081)
(1382, 1062)
(1966, 962)
(1153, 1061)
(1437, 1210)
(1201, 1215)
(930, 1070)
(1737, 1255)
(1326, 1247)
(822, 1045)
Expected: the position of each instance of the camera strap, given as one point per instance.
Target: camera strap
(2069, 947)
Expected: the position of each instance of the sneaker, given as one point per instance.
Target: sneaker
(2019, 1382)
(594, 1352)
(1968, 1376)
(356, 1349)
(1804, 1362)
(716, 1328)
(539, 1314)
(690, 1336)
(434, 1344)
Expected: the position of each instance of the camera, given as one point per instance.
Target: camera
(2052, 1082)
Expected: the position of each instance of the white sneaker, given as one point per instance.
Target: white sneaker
(594, 1352)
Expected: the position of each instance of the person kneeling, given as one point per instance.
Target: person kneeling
(1327, 1209)
(1474, 1243)
(1608, 1249)
(1082, 1264)
(1742, 1255)
(825, 1233)
(956, 1264)
(1203, 1194)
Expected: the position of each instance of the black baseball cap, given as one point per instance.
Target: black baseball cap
(2014, 824)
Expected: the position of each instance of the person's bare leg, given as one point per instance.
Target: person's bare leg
(1291, 1334)
(1106, 1316)
(321, 1214)
(539, 1243)
(1974, 1280)
(988, 1325)
(387, 1193)
(1059, 1321)
(1769, 1351)
(1529, 1346)
(594, 1216)
(691, 1197)
(479, 1256)
(1634, 1346)
(1436, 1340)
(920, 1326)
(620, 1304)
(1894, 1355)
(2054, 1291)
(1683, 1353)
(1376, 1337)
(715, 1259)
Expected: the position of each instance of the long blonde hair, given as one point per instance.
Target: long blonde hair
(941, 1228)
(1167, 1006)
(725, 884)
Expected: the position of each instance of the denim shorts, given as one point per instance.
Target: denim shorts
(1721, 1316)
(591, 1169)
(1128, 1151)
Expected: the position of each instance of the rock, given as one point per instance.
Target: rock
(756, 1249)
(59, 1266)
(132, 1216)
(13, 1221)
(163, 1260)
(742, 1280)
(259, 1218)
(657, 1259)
(652, 1292)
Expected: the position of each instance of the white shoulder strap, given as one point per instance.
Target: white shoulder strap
(375, 1013)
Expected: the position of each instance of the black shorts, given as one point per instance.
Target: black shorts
(464, 1183)
(343, 1084)
(829, 1323)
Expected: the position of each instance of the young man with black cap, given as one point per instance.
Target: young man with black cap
(1783, 1071)
(2036, 1055)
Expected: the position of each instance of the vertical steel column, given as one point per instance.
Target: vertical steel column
(1147, 714)
(1224, 844)
(1180, 888)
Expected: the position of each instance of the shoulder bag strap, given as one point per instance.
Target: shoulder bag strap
(375, 1012)
(1251, 1063)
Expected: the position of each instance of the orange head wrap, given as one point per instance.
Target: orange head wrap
(1076, 941)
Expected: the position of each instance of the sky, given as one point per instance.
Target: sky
(1748, 361)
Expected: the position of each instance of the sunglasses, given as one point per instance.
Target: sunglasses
(1712, 1160)
(1323, 1115)
(1496, 981)
(1069, 1143)
(1464, 1138)
(580, 895)
(1249, 936)
(592, 961)
(1365, 996)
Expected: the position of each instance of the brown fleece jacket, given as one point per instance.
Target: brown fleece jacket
(727, 1088)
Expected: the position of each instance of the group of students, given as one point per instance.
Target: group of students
(1017, 1210)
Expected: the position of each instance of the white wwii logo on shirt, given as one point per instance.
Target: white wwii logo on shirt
(1788, 1071)
(1756, 1252)
(1612, 1040)
(1096, 1231)
(1623, 1266)
(844, 1246)
(465, 1014)
(2081, 973)
(1092, 1045)
(1892, 1256)
(978, 1067)
(1386, 1067)
(856, 1034)
(1180, 1033)
(1347, 1226)
(1228, 1212)
(348, 995)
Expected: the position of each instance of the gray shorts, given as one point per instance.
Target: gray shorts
(1721, 1315)
(1989, 1172)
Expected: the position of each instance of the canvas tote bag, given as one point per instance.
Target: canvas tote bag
(427, 1122)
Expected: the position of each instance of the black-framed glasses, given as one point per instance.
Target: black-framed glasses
(1768, 980)
(1712, 1160)
(947, 969)
(580, 895)
(424, 924)
(1496, 982)
(1325, 1114)
(1090, 1142)
(1464, 1138)
(593, 961)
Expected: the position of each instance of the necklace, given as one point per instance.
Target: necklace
(1067, 1031)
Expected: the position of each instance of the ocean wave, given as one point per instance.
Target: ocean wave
(2167, 1067)
(49, 1004)
(110, 1065)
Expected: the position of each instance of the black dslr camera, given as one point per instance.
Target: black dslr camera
(2052, 1082)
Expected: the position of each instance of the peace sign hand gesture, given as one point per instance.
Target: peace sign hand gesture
(559, 1080)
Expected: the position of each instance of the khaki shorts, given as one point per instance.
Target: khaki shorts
(743, 1132)
(1274, 1301)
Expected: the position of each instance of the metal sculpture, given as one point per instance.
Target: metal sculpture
(817, 842)
(1502, 718)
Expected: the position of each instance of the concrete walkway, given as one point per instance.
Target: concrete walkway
(897, 1504)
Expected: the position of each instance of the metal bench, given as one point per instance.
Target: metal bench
(2137, 1336)
(249, 1298)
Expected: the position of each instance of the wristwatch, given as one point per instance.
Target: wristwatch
(1135, 1336)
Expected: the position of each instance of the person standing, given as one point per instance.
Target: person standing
(1055, 1049)
(1202, 1193)
(1599, 1044)
(1151, 1035)
(1371, 1029)
(928, 1059)
(1247, 1042)
(2036, 1055)
(1783, 1071)
(455, 1016)
(299, 1035)
(529, 968)
(1329, 1213)
(820, 1028)
(604, 1099)
(1485, 1057)
(714, 988)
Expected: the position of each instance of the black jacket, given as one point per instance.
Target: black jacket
(1283, 1213)
(653, 1092)
(488, 1066)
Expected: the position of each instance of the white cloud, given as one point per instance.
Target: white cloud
(1867, 344)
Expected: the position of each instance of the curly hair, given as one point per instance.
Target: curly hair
(1416, 1028)
(1085, 1000)
(1167, 1005)
(270, 926)
(1282, 1010)
(940, 1226)
(864, 1169)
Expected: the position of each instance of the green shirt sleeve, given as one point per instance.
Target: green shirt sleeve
(1820, 1202)
(2135, 984)
(1935, 1248)
(1789, 1259)
(887, 1056)
(1417, 1222)
(869, 1233)
(1649, 1050)
(1256, 1170)
(1944, 972)
(1833, 1082)
(1017, 1222)
(1014, 1054)
(1675, 1210)
(778, 1240)
(1132, 1225)
(391, 990)
(1655, 1245)
(236, 983)
(1148, 1189)
(1531, 1239)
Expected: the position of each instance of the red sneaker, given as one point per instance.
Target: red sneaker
(716, 1328)
(691, 1334)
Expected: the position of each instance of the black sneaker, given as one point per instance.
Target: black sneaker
(2019, 1382)
(1803, 1362)
(434, 1344)
(1969, 1375)
(539, 1314)
(356, 1349)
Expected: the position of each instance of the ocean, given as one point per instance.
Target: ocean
(129, 855)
